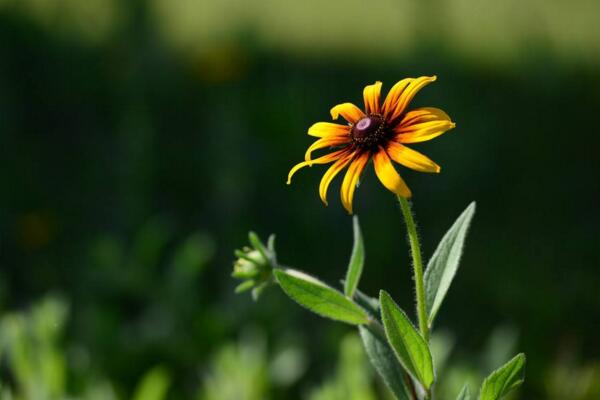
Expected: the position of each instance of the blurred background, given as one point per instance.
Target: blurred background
(141, 140)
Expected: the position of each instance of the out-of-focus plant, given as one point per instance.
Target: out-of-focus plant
(352, 377)
(246, 370)
(400, 351)
(38, 366)
(157, 273)
(567, 379)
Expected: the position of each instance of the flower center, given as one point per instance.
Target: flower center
(369, 130)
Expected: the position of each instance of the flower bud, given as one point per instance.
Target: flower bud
(255, 265)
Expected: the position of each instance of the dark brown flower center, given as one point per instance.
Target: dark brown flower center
(369, 131)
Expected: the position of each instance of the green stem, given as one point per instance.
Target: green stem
(415, 248)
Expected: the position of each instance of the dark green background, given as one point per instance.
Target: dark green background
(107, 137)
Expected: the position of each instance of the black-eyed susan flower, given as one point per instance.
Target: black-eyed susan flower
(379, 133)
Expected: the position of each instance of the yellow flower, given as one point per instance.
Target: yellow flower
(380, 133)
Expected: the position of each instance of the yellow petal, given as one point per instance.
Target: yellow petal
(331, 173)
(349, 111)
(422, 114)
(321, 160)
(351, 179)
(324, 129)
(406, 96)
(371, 95)
(387, 174)
(423, 132)
(410, 158)
(389, 105)
(422, 124)
(325, 142)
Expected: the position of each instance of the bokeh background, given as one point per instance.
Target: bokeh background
(141, 140)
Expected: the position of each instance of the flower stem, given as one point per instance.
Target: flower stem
(415, 248)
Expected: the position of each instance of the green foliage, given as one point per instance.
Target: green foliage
(569, 378)
(444, 263)
(320, 298)
(36, 360)
(29, 341)
(504, 379)
(153, 385)
(408, 344)
(465, 393)
(351, 379)
(383, 359)
(369, 303)
(238, 371)
(357, 261)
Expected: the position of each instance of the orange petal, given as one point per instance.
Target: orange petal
(321, 160)
(325, 142)
(410, 158)
(349, 111)
(423, 132)
(351, 179)
(371, 95)
(393, 95)
(331, 173)
(406, 96)
(422, 114)
(387, 174)
(323, 129)
(422, 124)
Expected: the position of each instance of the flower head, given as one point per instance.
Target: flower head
(379, 133)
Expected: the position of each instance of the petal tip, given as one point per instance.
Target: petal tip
(334, 113)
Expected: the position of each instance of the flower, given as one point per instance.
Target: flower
(380, 133)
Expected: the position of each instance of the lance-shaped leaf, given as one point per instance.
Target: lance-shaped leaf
(444, 262)
(465, 393)
(504, 379)
(320, 298)
(408, 344)
(383, 359)
(357, 261)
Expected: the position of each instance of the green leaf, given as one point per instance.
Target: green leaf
(320, 298)
(357, 261)
(244, 286)
(444, 263)
(383, 359)
(258, 244)
(408, 344)
(367, 302)
(504, 379)
(154, 385)
(465, 393)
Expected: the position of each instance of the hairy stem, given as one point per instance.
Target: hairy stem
(415, 249)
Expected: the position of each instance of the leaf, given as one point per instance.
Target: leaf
(504, 379)
(383, 359)
(465, 393)
(315, 295)
(367, 302)
(444, 263)
(408, 344)
(258, 245)
(357, 260)
(153, 385)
